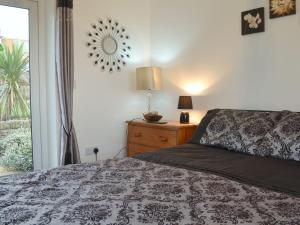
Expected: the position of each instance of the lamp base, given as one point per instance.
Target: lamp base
(184, 117)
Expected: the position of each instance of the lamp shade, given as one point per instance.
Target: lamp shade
(148, 78)
(185, 102)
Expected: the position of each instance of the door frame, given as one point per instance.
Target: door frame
(35, 85)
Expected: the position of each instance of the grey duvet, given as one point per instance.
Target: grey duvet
(132, 191)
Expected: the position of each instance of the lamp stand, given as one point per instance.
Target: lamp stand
(184, 118)
(149, 97)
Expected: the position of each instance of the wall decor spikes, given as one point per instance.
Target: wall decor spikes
(108, 45)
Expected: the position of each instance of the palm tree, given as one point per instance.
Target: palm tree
(14, 102)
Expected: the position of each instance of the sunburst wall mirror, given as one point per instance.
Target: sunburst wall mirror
(108, 45)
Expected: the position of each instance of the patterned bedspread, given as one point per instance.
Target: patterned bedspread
(130, 191)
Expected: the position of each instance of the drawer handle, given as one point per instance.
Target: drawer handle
(163, 139)
(138, 135)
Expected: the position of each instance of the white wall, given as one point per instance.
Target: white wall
(104, 101)
(200, 47)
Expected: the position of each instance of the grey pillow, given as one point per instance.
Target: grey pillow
(240, 130)
(200, 131)
(262, 133)
(284, 140)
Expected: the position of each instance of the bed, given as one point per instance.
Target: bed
(190, 184)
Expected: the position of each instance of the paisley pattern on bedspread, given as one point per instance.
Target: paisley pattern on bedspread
(130, 191)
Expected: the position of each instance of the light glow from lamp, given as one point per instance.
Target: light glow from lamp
(196, 83)
(194, 88)
(196, 116)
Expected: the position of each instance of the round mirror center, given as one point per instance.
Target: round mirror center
(109, 45)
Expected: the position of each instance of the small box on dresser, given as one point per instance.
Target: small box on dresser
(148, 137)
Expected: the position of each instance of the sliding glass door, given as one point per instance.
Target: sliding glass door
(20, 145)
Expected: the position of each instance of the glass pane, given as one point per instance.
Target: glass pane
(15, 113)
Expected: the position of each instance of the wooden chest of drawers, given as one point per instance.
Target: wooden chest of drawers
(148, 137)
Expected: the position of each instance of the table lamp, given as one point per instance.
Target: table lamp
(185, 103)
(148, 79)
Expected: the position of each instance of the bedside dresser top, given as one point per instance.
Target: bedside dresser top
(171, 125)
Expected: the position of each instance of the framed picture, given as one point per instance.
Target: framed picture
(279, 8)
(253, 21)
